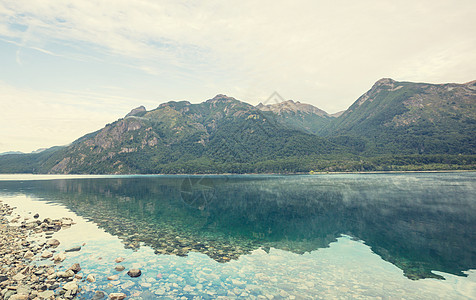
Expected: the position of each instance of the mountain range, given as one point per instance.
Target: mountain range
(393, 126)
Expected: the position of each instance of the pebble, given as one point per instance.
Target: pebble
(46, 294)
(119, 259)
(53, 242)
(18, 277)
(91, 278)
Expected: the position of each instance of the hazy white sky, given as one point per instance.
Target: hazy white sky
(69, 67)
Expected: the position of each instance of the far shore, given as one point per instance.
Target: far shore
(34, 176)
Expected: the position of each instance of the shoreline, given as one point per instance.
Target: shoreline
(22, 246)
(80, 176)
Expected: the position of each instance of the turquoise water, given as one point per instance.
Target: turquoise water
(304, 237)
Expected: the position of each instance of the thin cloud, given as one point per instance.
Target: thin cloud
(326, 53)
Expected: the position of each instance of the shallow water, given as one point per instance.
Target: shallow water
(304, 237)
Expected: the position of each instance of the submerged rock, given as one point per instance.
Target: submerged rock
(73, 249)
(134, 272)
(98, 295)
(119, 268)
(113, 277)
(117, 296)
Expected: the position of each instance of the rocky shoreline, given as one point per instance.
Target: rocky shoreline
(30, 265)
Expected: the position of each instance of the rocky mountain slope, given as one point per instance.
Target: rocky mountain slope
(394, 123)
(297, 115)
(418, 118)
(217, 131)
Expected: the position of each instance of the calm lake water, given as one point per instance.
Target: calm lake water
(364, 236)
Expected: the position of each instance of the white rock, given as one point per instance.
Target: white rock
(71, 286)
(29, 255)
(117, 296)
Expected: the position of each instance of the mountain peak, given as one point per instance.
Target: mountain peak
(221, 98)
(385, 81)
(136, 111)
(291, 106)
(382, 84)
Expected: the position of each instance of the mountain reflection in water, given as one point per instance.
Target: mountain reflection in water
(418, 222)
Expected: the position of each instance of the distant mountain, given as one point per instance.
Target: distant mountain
(406, 117)
(298, 115)
(39, 150)
(393, 126)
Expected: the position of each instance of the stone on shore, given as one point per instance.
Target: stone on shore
(71, 286)
(46, 294)
(67, 274)
(75, 268)
(59, 257)
(119, 259)
(18, 297)
(53, 242)
(18, 277)
(91, 278)
(47, 254)
(29, 255)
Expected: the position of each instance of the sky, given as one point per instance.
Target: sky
(67, 68)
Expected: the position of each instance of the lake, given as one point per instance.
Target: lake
(398, 235)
